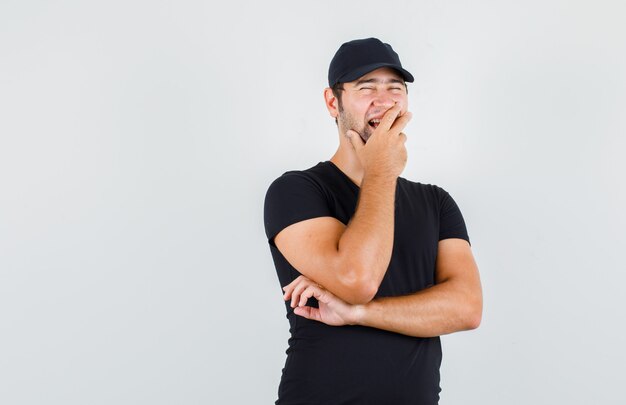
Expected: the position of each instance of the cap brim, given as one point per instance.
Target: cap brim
(363, 70)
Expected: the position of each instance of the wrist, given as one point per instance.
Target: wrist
(380, 177)
(358, 314)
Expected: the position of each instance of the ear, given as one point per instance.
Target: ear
(331, 102)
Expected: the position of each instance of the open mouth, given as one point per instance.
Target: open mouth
(374, 123)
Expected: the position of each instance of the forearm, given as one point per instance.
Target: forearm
(444, 308)
(367, 242)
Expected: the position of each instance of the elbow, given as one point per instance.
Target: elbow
(359, 289)
(473, 315)
(473, 321)
(362, 295)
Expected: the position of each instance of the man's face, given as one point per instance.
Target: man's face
(365, 100)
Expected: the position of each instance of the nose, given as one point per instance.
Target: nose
(385, 100)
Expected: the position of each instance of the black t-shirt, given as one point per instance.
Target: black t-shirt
(355, 364)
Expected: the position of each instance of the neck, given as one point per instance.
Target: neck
(347, 161)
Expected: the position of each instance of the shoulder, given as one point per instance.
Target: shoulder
(429, 191)
(293, 178)
(315, 177)
(293, 197)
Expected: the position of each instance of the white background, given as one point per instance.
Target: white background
(138, 138)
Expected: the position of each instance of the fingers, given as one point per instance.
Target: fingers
(304, 296)
(390, 117)
(355, 140)
(309, 313)
(401, 122)
(289, 288)
(300, 290)
(312, 290)
(298, 294)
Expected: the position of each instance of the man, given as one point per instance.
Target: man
(374, 267)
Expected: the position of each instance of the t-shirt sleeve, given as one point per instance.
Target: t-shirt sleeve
(292, 198)
(451, 222)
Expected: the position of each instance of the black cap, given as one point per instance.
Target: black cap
(361, 56)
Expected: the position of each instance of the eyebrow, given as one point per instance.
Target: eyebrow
(373, 80)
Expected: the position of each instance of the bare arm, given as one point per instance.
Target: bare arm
(351, 261)
(453, 304)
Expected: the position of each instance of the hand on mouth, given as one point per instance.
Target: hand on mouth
(375, 119)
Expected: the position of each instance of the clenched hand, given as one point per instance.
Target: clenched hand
(385, 151)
